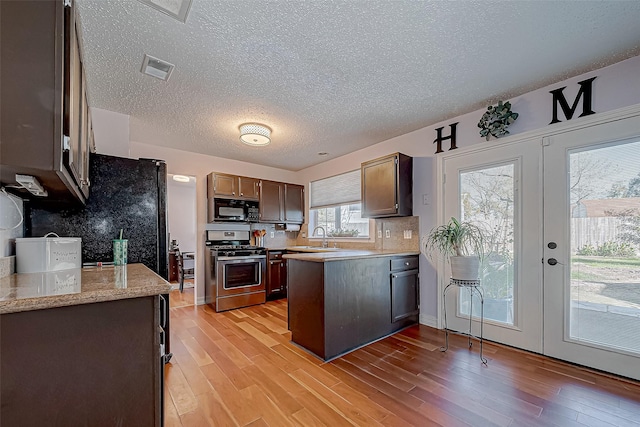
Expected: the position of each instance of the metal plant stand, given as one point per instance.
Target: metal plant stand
(474, 287)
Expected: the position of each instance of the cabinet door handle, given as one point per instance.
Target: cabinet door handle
(242, 194)
(406, 263)
(233, 193)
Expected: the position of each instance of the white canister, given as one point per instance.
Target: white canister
(42, 254)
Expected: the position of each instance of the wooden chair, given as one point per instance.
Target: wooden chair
(185, 272)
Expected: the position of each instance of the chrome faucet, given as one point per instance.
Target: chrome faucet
(324, 235)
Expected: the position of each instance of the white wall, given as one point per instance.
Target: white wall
(111, 132)
(615, 87)
(9, 217)
(181, 208)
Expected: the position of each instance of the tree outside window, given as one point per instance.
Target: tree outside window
(341, 221)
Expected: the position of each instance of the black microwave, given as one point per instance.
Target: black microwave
(226, 210)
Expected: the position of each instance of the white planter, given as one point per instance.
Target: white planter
(465, 267)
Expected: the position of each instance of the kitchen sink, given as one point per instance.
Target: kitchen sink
(313, 249)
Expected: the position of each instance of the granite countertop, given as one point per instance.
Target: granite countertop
(347, 254)
(38, 291)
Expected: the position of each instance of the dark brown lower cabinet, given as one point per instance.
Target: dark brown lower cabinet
(86, 365)
(276, 275)
(338, 306)
(405, 294)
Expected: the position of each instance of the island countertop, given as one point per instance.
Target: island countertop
(346, 254)
(38, 291)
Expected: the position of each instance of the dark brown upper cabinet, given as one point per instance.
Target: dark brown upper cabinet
(281, 202)
(44, 125)
(271, 201)
(233, 186)
(293, 203)
(387, 186)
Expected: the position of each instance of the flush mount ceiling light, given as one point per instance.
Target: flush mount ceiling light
(180, 178)
(255, 134)
(157, 68)
(177, 9)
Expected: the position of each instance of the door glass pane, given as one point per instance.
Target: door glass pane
(487, 198)
(605, 237)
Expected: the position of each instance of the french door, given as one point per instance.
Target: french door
(500, 189)
(563, 212)
(591, 243)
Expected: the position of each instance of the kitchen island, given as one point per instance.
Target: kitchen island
(341, 300)
(82, 347)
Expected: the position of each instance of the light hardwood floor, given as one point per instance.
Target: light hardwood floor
(238, 368)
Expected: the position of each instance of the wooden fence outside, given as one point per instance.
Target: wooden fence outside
(594, 231)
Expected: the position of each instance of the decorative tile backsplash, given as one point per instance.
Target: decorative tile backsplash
(395, 241)
(280, 240)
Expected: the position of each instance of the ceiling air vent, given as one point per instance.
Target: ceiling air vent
(177, 9)
(157, 68)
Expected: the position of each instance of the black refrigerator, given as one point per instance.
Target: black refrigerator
(124, 194)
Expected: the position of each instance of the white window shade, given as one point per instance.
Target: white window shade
(343, 189)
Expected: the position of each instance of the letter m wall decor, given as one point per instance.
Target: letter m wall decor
(584, 93)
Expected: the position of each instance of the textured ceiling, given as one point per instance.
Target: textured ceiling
(334, 76)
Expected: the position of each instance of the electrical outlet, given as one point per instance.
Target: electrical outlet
(304, 234)
(426, 199)
(272, 234)
(407, 234)
(379, 234)
(387, 233)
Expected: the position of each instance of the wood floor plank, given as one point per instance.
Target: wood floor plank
(270, 412)
(469, 410)
(258, 423)
(285, 350)
(285, 401)
(231, 370)
(361, 401)
(272, 324)
(385, 376)
(257, 334)
(171, 417)
(197, 352)
(239, 368)
(229, 395)
(279, 374)
(192, 373)
(210, 412)
(327, 415)
(362, 374)
(301, 360)
(304, 418)
(333, 400)
(179, 390)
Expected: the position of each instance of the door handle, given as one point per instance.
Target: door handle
(552, 261)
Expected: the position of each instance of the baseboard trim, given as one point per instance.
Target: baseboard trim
(429, 320)
(200, 301)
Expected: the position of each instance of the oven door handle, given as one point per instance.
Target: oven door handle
(241, 258)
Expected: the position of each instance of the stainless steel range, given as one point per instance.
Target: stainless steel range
(235, 270)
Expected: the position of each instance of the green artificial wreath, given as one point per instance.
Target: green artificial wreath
(496, 120)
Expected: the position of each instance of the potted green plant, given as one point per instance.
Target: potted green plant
(462, 243)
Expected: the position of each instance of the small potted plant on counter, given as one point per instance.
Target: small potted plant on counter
(462, 243)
